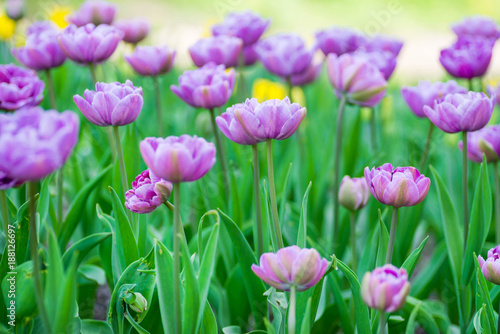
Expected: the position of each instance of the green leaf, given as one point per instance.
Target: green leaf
(411, 262)
(284, 193)
(425, 277)
(66, 300)
(279, 304)
(89, 326)
(55, 273)
(306, 324)
(302, 233)
(424, 317)
(165, 283)
(483, 295)
(412, 323)
(191, 300)
(209, 321)
(83, 247)
(345, 317)
(44, 199)
(383, 240)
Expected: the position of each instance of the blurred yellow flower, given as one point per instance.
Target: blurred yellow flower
(7, 26)
(264, 89)
(207, 31)
(298, 96)
(58, 16)
(387, 108)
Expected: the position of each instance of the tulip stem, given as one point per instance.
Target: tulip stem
(60, 194)
(465, 194)
(498, 323)
(92, 72)
(423, 159)
(50, 84)
(258, 209)
(291, 310)
(5, 212)
(272, 193)
(353, 240)
(497, 201)
(220, 152)
(373, 128)
(176, 243)
(289, 88)
(35, 259)
(121, 163)
(381, 323)
(471, 85)
(336, 167)
(392, 235)
(158, 106)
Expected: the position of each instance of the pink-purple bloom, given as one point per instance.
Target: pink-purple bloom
(221, 50)
(397, 187)
(15, 9)
(426, 93)
(43, 140)
(111, 104)
(40, 26)
(134, 30)
(353, 193)
(461, 112)
(250, 56)
(467, 58)
(309, 75)
(485, 141)
(95, 12)
(151, 60)
(385, 288)
(89, 44)
(148, 192)
(494, 90)
(19, 87)
(251, 122)
(383, 43)
(339, 40)
(207, 87)
(284, 54)
(178, 159)
(384, 60)
(247, 25)
(491, 266)
(41, 51)
(291, 267)
(477, 26)
(359, 80)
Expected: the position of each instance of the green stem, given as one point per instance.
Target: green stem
(50, 85)
(471, 85)
(498, 324)
(353, 240)
(465, 202)
(35, 259)
(60, 195)
(392, 235)
(159, 115)
(423, 159)
(272, 190)
(258, 209)
(497, 201)
(121, 163)
(220, 151)
(291, 310)
(289, 88)
(176, 242)
(373, 130)
(92, 73)
(336, 171)
(5, 212)
(381, 323)
(242, 90)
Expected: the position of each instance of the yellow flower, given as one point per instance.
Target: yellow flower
(7, 26)
(298, 96)
(58, 16)
(264, 89)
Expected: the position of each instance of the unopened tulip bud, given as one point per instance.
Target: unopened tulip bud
(136, 301)
(353, 193)
(491, 266)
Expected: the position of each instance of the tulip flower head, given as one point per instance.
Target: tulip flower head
(93, 11)
(309, 75)
(112, 104)
(15, 9)
(477, 26)
(383, 43)
(384, 60)
(134, 30)
(491, 266)
(353, 193)
(178, 159)
(385, 288)
(40, 26)
(397, 187)
(339, 40)
(151, 60)
(19, 87)
(485, 141)
(247, 25)
(426, 93)
(291, 266)
(222, 49)
(461, 112)
(494, 90)
(148, 192)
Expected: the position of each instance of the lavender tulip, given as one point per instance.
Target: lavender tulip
(15, 9)
(207, 87)
(477, 26)
(19, 87)
(250, 56)
(90, 44)
(221, 50)
(7, 182)
(247, 25)
(93, 11)
(426, 93)
(359, 80)
(284, 54)
(41, 51)
(468, 58)
(250, 123)
(112, 104)
(178, 159)
(353, 193)
(43, 141)
(383, 43)
(385, 288)
(339, 40)
(384, 60)
(134, 30)
(309, 75)
(40, 26)
(485, 141)
(291, 266)
(151, 60)
(397, 187)
(148, 192)
(491, 266)
(461, 112)
(494, 90)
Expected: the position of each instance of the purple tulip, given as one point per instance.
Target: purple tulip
(34, 143)
(148, 192)
(491, 266)
(339, 40)
(178, 159)
(6, 182)
(397, 187)
(207, 87)
(89, 44)
(14, 9)
(353, 193)
(284, 54)
(384, 60)
(425, 93)
(247, 25)
(111, 104)
(151, 60)
(93, 11)
(461, 112)
(221, 50)
(467, 58)
(478, 25)
(134, 30)
(19, 87)
(383, 43)
(291, 266)
(307, 76)
(385, 288)
(41, 26)
(250, 56)
(485, 141)
(494, 90)
(250, 123)
(41, 51)
(361, 81)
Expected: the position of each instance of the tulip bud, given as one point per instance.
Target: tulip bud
(15, 9)
(491, 266)
(148, 192)
(485, 141)
(353, 193)
(136, 301)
